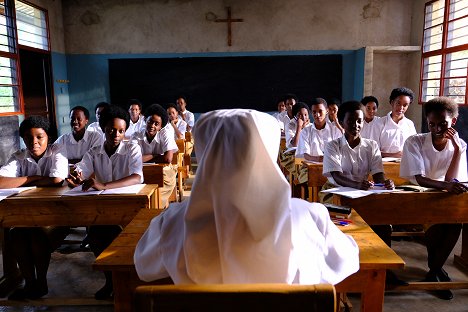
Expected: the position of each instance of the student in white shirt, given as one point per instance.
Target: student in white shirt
(297, 124)
(179, 126)
(312, 139)
(289, 102)
(333, 107)
(39, 164)
(95, 125)
(186, 116)
(438, 160)
(112, 165)
(223, 234)
(137, 120)
(79, 141)
(158, 145)
(391, 131)
(371, 105)
(279, 115)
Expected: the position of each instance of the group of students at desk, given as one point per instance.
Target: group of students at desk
(351, 146)
(103, 158)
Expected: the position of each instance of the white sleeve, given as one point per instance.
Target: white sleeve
(85, 166)
(303, 145)
(412, 160)
(375, 162)
(190, 119)
(332, 158)
(167, 140)
(11, 169)
(136, 161)
(59, 168)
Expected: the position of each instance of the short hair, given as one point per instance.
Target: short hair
(290, 96)
(34, 122)
(134, 102)
(81, 108)
(348, 106)
(441, 104)
(174, 106)
(402, 91)
(111, 112)
(316, 101)
(335, 101)
(156, 109)
(368, 99)
(183, 97)
(299, 105)
(101, 104)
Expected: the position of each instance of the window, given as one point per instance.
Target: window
(445, 51)
(32, 26)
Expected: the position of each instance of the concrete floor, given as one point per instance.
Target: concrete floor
(70, 275)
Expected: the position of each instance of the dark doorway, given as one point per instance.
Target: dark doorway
(36, 78)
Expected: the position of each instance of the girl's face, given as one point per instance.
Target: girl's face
(439, 122)
(319, 112)
(36, 140)
(400, 105)
(371, 110)
(333, 111)
(289, 104)
(303, 114)
(173, 114)
(352, 123)
(134, 111)
(78, 121)
(153, 125)
(181, 103)
(281, 107)
(114, 132)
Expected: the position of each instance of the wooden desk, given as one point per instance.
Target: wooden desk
(411, 208)
(317, 180)
(375, 257)
(46, 206)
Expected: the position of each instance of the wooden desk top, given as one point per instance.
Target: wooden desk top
(409, 207)
(46, 206)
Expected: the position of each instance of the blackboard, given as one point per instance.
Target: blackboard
(9, 137)
(225, 82)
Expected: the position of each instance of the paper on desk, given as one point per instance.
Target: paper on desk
(294, 148)
(354, 193)
(132, 189)
(78, 191)
(4, 193)
(391, 159)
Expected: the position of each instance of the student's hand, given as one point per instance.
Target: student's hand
(74, 179)
(174, 123)
(365, 185)
(389, 185)
(93, 183)
(456, 188)
(451, 134)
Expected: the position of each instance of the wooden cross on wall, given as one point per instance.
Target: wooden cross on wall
(229, 22)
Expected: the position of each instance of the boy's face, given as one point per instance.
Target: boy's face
(134, 111)
(115, 132)
(153, 125)
(289, 104)
(439, 122)
(36, 140)
(281, 107)
(352, 123)
(98, 112)
(371, 110)
(181, 103)
(319, 112)
(400, 105)
(303, 114)
(173, 114)
(333, 110)
(78, 121)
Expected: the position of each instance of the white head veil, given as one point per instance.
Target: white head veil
(238, 225)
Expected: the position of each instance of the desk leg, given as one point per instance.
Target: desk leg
(462, 260)
(372, 296)
(123, 291)
(11, 275)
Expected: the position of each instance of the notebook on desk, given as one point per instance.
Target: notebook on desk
(78, 191)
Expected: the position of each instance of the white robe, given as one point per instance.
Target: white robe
(240, 224)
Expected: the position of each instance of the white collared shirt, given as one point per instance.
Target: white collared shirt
(126, 161)
(76, 149)
(135, 126)
(162, 142)
(182, 126)
(355, 163)
(53, 163)
(189, 118)
(421, 158)
(366, 131)
(96, 128)
(312, 141)
(391, 136)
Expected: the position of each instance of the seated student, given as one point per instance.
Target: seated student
(371, 105)
(79, 141)
(95, 125)
(177, 123)
(114, 164)
(391, 131)
(437, 160)
(158, 145)
(289, 102)
(224, 234)
(333, 108)
(313, 138)
(186, 116)
(39, 164)
(279, 115)
(137, 120)
(349, 160)
(297, 124)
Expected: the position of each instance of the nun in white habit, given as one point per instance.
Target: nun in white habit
(240, 224)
